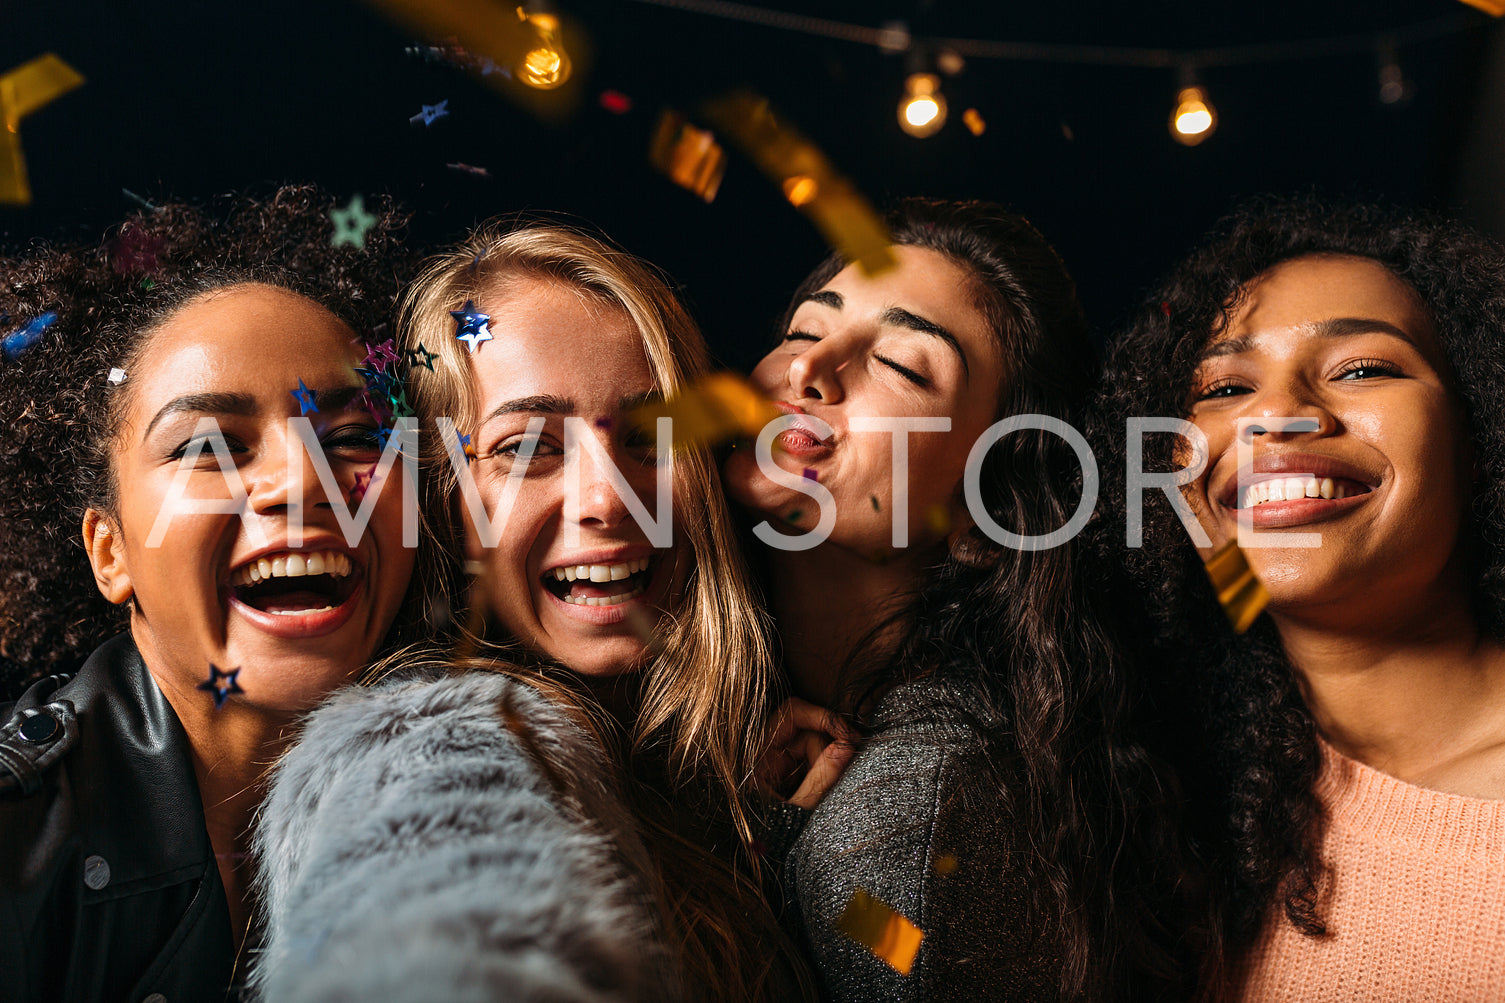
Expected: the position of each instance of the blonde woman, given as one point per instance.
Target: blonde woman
(610, 577)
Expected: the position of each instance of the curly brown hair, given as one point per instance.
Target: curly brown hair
(61, 410)
(1235, 719)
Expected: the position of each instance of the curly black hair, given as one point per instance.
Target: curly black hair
(60, 409)
(1234, 718)
(1109, 887)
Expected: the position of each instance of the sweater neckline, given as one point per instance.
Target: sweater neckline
(1382, 808)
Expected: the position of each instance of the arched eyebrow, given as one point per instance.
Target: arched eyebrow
(1334, 327)
(899, 317)
(205, 403)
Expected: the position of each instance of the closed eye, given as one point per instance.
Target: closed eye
(800, 336)
(904, 371)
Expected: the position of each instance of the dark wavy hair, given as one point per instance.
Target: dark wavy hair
(60, 412)
(1026, 632)
(1234, 718)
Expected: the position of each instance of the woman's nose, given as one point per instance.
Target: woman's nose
(816, 373)
(1286, 409)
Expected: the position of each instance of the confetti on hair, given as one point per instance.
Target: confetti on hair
(380, 356)
(465, 446)
(1242, 595)
(938, 519)
(687, 155)
(431, 113)
(421, 356)
(808, 179)
(134, 251)
(880, 929)
(305, 397)
(143, 203)
(117, 376)
(720, 407)
(1165, 308)
(21, 341)
(945, 864)
(464, 168)
(220, 684)
(616, 102)
(471, 325)
(352, 223)
(24, 90)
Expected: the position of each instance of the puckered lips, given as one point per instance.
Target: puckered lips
(305, 591)
(1290, 489)
(599, 586)
(801, 439)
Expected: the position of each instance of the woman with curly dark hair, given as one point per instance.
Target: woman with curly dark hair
(152, 482)
(1000, 803)
(1347, 754)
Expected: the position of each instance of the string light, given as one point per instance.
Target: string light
(1194, 117)
(546, 65)
(922, 110)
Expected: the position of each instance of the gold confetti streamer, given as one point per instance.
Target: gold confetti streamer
(881, 930)
(720, 407)
(1494, 8)
(22, 91)
(938, 519)
(1242, 595)
(809, 181)
(689, 156)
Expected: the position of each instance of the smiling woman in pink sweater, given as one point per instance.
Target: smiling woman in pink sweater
(1346, 757)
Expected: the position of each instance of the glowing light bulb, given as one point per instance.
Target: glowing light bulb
(1194, 118)
(547, 65)
(922, 110)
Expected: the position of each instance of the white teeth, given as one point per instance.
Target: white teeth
(290, 565)
(1290, 488)
(603, 600)
(600, 572)
(618, 572)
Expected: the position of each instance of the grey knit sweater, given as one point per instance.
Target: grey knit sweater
(411, 849)
(916, 823)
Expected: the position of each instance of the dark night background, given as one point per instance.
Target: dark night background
(195, 99)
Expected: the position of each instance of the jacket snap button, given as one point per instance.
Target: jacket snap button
(96, 872)
(40, 728)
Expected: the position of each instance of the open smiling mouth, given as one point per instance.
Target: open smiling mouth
(599, 584)
(295, 584)
(1299, 487)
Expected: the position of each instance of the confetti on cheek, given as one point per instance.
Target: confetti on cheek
(938, 519)
(720, 407)
(794, 516)
(1242, 595)
(363, 479)
(876, 506)
(305, 398)
(352, 223)
(811, 474)
(880, 929)
(24, 90)
(221, 684)
(19, 342)
(605, 424)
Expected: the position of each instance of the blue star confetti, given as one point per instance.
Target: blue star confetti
(431, 113)
(421, 356)
(465, 446)
(305, 398)
(17, 343)
(351, 223)
(473, 325)
(220, 685)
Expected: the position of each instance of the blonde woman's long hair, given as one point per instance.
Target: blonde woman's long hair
(709, 678)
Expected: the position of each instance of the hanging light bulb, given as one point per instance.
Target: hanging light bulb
(1194, 118)
(546, 65)
(922, 110)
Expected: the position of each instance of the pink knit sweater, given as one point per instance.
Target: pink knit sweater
(1416, 912)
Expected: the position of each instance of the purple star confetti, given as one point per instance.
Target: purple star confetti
(362, 483)
(380, 356)
(431, 113)
(472, 325)
(811, 474)
(305, 397)
(351, 223)
(135, 252)
(220, 685)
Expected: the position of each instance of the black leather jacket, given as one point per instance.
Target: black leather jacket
(108, 883)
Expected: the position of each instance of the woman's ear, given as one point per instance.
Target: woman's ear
(106, 552)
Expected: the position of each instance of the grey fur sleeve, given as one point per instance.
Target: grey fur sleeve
(411, 849)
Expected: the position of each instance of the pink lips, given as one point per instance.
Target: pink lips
(800, 438)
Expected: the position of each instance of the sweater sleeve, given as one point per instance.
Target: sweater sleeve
(913, 829)
(411, 849)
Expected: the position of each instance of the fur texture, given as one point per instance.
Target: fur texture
(412, 848)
